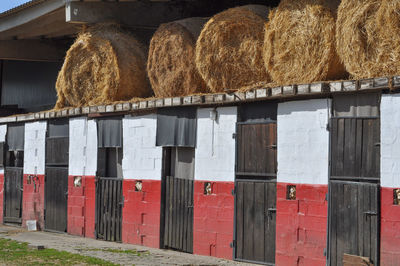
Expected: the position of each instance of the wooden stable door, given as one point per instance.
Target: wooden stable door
(56, 176)
(355, 149)
(256, 150)
(354, 189)
(353, 221)
(56, 199)
(13, 177)
(255, 192)
(177, 205)
(255, 220)
(109, 202)
(178, 232)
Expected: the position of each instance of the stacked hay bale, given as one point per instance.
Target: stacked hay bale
(368, 36)
(171, 63)
(299, 45)
(229, 48)
(103, 65)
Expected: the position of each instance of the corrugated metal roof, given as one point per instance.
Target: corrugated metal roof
(21, 7)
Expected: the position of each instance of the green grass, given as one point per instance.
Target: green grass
(16, 253)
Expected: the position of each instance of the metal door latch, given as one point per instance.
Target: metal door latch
(370, 213)
(270, 211)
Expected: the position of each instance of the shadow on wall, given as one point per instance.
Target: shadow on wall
(302, 106)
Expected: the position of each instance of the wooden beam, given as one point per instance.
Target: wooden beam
(32, 50)
(138, 14)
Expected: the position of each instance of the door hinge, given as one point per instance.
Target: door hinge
(232, 244)
(122, 202)
(378, 144)
(234, 135)
(324, 252)
(370, 213)
(233, 192)
(326, 197)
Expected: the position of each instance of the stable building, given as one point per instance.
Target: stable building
(276, 179)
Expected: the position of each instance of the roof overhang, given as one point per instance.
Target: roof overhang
(35, 20)
(54, 23)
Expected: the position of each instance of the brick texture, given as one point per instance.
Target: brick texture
(301, 225)
(213, 220)
(141, 213)
(33, 200)
(81, 207)
(390, 229)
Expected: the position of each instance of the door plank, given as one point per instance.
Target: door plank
(270, 227)
(239, 218)
(259, 222)
(248, 232)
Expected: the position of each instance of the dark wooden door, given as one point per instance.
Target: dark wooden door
(355, 149)
(177, 199)
(178, 214)
(255, 220)
(353, 221)
(255, 192)
(13, 188)
(57, 151)
(109, 202)
(353, 216)
(56, 199)
(256, 150)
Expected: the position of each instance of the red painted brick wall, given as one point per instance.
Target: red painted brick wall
(76, 208)
(141, 213)
(90, 206)
(213, 220)
(81, 207)
(33, 200)
(301, 225)
(390, 229)
(1, 196)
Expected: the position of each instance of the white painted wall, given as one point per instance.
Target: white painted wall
(303, 141)
(82, 146)
(35, 148)
(390, 140)
(3, 133)
(215, 153)
(141, 158)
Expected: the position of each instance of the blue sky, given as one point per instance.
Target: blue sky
(8, 4)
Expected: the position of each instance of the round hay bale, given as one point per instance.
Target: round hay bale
(368, 36)
(171, 63)
(103, 65)
(229, 48)
(299, 44)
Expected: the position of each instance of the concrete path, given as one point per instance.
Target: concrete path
(98, 249)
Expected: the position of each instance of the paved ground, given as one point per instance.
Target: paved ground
(115, 254)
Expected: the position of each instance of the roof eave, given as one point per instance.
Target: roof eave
(25, 14)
